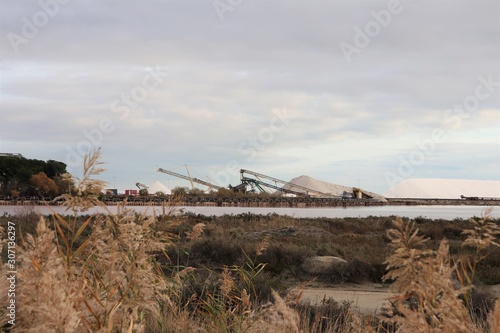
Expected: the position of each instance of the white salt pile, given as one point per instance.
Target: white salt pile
(318, 185)
(444, 188)
(158, 187)
(325, 187)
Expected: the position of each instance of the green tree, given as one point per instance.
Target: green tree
(24, 175)
(54, 168)
(196, 192)
(16, 174)
(225, 193)
(179, 191)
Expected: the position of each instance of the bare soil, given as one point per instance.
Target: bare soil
(367, 298)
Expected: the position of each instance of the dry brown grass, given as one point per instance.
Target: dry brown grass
(425, 280)
(494, 319)
(48, 298)
(105, 282)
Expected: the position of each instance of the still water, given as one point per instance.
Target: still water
(432, 212)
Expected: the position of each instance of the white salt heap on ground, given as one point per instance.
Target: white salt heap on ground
(158, 187)
(325, 187)
(318, 185)
(444, 188)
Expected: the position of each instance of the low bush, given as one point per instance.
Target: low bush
(328, 316)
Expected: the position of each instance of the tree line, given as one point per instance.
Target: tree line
(22, 177)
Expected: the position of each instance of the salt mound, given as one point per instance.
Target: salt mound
(158, 187)
(444, 188)
(325, 187)
(317, 185)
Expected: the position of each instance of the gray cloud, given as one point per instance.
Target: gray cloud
(225, 78)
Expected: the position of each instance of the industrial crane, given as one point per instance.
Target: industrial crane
(259, 183)
(189, 175)
(141, 186)
(195, 180)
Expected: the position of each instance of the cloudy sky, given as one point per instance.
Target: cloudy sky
(361, 93)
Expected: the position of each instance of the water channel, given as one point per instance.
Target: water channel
(432, 212)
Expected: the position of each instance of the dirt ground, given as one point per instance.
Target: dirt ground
(368, 298)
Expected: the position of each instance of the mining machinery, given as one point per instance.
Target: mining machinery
(192, 180)
(258, 183)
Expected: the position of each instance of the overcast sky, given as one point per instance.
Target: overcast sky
(361, 93)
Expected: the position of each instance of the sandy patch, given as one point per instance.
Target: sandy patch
(368, 298)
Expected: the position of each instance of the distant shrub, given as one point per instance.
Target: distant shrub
(284, 257)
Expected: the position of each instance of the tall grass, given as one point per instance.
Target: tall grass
(95, 276)
(428, 285)
(125, 272)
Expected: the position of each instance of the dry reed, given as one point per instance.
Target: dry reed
(103, 280)
(428, 298)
